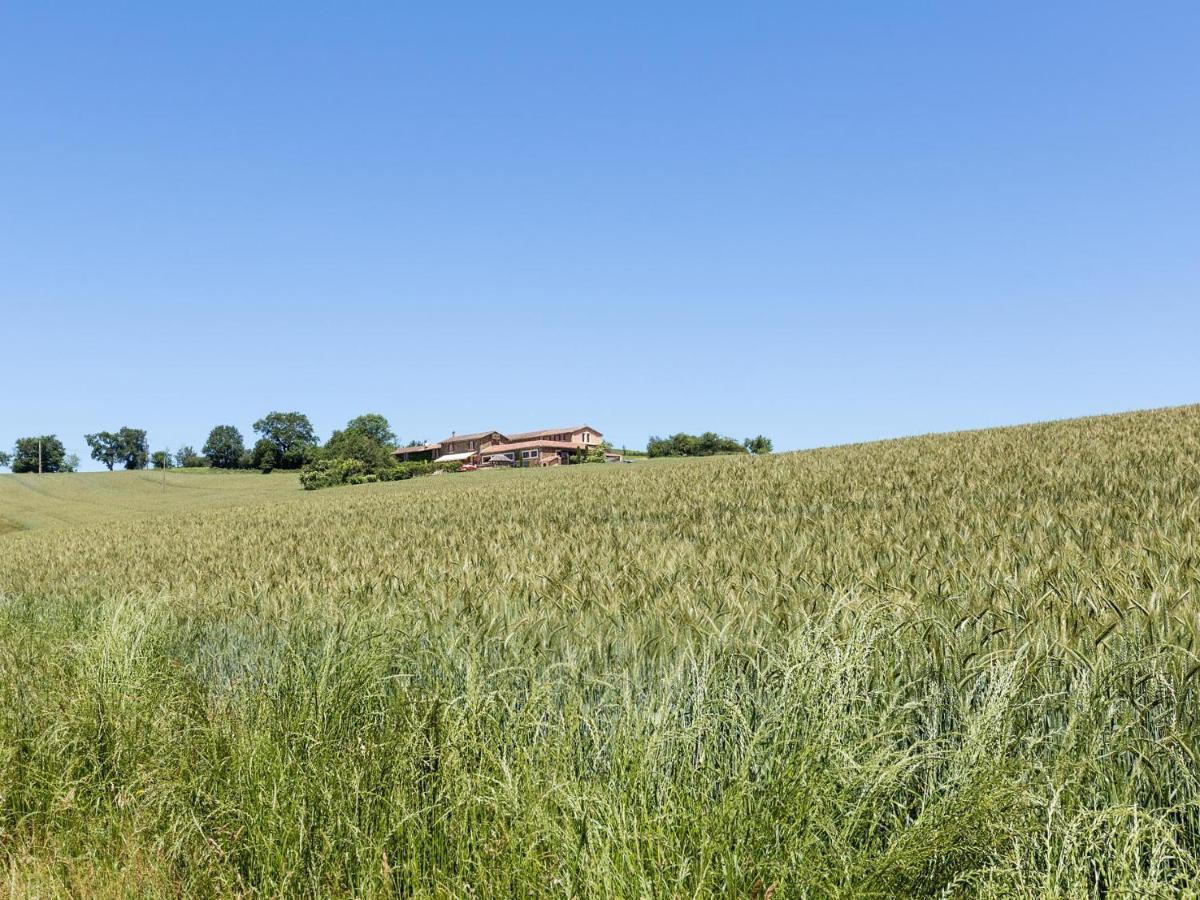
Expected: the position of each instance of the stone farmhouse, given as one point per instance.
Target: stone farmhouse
(547, 447)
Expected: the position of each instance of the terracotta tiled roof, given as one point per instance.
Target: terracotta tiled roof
(544, 432)
(530, 445)
(455, 438)
(420, 448)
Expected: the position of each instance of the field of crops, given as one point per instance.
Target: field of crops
(960, 665)
(52, 501)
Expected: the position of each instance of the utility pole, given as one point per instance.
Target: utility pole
(39, 456)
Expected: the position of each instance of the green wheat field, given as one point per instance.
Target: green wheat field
(958, 665)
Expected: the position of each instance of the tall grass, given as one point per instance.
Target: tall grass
(958, 665)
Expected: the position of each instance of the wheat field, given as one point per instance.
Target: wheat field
(958, 665)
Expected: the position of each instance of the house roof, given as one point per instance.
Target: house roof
(470, 437)
(530, 445)
(420, 448)
(545, 432)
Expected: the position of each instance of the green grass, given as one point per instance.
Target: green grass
(956, 665)
(49, 501)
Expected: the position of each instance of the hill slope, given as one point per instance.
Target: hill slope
(962, 663)
(48, 501)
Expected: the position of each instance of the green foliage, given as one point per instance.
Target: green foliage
(334, 471)
(162, 459)
(955, 666)
(596, 454)
(53, 454)
(360, 446)
(5, 460)
(135, 450)
(106, 447)
(758, 445)
(708, 444)
(188, 458)
(330, 472)
(375, 427)
(127, 446)
(224, 448)
(293, 437)
(264, 456)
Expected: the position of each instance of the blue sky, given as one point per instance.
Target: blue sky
(823, 224)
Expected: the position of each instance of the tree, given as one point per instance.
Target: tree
(758, 444)
(361, 446)
(224, 447)
(264, 456)
(5, 460)
(162, 459)
(106, 447)
(708, 444)
(126, 446)
(188, 458)
(135, 449)
(375, 426)
(291, 433)
(53, 455)
(70, 463)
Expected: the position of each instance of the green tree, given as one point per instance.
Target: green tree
(106, 447)
(758, 444)
(264, 456)
(292, 434)
(375, 426)
(224, 447)
(162, 459)
(361, 446)
(53, 455)
(5, 460)
(187, 458)
(708, 444)
(135, 449)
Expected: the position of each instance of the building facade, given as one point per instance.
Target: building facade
(547, 447)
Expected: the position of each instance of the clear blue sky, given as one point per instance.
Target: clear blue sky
(824, 224)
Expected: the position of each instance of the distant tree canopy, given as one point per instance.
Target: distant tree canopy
(162, 459)
(224, 447)
(106, 447)
(187, 458)
(265, 455)
(135, 449)
(758, 444)
(708, 444)
(292, 434)
(127, 446)
(54, 455)
(367, 439)
(374, 426)
(5, 460)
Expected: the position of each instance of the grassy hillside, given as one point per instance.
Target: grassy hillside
(48, 501)
(962, 664)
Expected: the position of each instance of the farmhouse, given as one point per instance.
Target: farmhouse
(547, 447)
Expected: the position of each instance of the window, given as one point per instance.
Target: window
(530, 454)
(587, 437)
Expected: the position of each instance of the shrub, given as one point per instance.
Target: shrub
(708, 444)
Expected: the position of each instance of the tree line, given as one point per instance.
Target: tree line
(707, 444)
(287, 440)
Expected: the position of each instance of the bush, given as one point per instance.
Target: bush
(329, 473)
(708, 444)
(333, 472)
